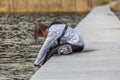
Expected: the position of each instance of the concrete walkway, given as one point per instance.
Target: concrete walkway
(101, 58)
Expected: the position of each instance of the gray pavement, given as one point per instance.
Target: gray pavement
(100, 59)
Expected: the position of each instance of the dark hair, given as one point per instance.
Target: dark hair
(38, 29)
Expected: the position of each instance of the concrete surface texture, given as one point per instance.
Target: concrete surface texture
(100, 59)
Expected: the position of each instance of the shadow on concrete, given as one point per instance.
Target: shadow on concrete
(86, 51)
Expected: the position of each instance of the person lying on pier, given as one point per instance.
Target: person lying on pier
(60, 39)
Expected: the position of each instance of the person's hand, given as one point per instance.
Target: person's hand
(37, 65)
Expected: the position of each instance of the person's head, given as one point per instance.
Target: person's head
(41, 30)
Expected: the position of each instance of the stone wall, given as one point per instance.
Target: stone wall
(17, 48)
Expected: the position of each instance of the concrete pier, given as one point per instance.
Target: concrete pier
(100, 59)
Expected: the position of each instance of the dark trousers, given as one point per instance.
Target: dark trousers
(77, 48)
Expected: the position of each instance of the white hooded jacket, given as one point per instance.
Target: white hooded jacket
(55, 31)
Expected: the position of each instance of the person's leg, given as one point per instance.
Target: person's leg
(66, 48)
(77, 48)
(59, 49)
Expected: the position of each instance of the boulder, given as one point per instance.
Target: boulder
(115, 6)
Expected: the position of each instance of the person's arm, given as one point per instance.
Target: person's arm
(52, 36)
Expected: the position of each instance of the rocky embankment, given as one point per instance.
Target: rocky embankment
(117, 14)
(115, 5)
(17, 48)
